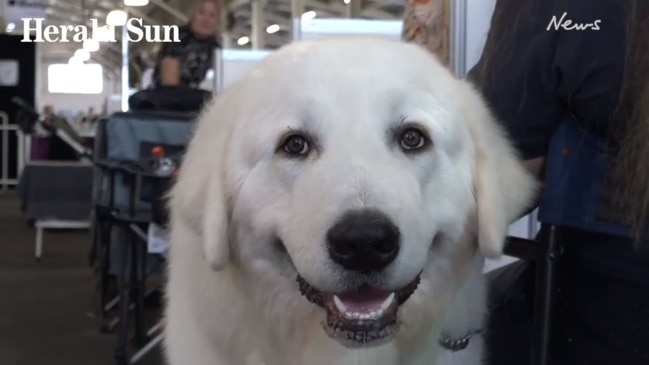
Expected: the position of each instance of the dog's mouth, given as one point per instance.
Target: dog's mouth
(364, 317)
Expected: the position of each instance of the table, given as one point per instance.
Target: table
(56, 194)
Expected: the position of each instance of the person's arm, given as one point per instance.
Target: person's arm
(170, 71)
(535, 166)
(170, 64)
(515, 76)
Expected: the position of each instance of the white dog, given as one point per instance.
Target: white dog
(334, 208)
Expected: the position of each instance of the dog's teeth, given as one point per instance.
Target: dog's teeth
(387, 302)
(371, 315)
(342, 308)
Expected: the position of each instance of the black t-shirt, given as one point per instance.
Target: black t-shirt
(538, 74)
(196, 56)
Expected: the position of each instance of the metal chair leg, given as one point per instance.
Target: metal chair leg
(121, 350)
(546, 288)
(139, 276)
(95, 244)
(147, 348)
(104, 258)
(39, 242)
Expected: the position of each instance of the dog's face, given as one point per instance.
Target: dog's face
(355, 172)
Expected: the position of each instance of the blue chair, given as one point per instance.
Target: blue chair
(126, 200)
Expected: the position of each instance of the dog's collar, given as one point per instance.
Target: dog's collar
(457, 344)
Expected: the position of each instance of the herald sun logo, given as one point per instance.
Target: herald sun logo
(135, 30)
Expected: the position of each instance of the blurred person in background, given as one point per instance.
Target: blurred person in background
(569, 79)
(186, 63)
(48, 114)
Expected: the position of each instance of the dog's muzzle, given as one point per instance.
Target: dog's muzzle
(364, 317)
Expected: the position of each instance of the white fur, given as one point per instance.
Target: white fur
(232, 295)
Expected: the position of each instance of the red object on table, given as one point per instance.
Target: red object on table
(158, 152)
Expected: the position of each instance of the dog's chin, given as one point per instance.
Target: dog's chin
(365, 317)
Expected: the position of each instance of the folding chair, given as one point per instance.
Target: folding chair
(546, 253)
(133, 278)
(123, 208)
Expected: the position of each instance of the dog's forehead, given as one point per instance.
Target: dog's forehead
(350, 87)
(346, 72)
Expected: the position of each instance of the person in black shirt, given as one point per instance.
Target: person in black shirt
(186, 63)
(589, 60)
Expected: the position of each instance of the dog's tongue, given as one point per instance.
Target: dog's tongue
(366, 299)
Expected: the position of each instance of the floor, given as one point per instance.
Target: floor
(47, 309)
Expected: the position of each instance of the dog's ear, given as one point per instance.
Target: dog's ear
(503, 188)
(215, 221)
(198, 199)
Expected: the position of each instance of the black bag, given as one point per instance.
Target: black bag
(169, 98)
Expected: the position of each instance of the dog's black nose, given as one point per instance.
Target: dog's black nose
(363, 240)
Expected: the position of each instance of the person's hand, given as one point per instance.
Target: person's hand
(170, 71)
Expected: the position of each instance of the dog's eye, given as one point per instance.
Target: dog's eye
(296, 145)
(412, 139)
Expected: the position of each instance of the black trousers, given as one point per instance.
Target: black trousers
(600, 319)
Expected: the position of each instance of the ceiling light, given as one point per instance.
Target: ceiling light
(308, 15)
(82, 54)
(91, 45)
(272, 29)
(116, 18)
(346, 1)
(243, 41)
(136, 2)
(11, 27)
